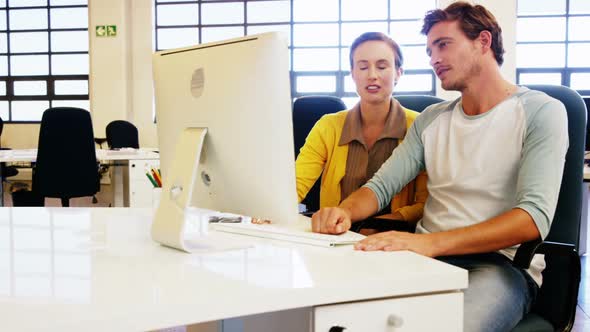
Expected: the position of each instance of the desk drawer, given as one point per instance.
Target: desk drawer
(440, 312)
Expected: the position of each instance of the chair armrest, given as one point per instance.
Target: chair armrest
(527, 250)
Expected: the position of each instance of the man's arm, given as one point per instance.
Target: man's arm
(510, 228)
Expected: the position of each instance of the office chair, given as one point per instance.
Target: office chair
(66, 165)
(122, 134)
(5, 171)
(555, 306)
(417, 103)
(307, 111)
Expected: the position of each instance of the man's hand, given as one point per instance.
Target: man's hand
(423, 244)
(333, 220)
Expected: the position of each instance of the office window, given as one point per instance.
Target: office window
(43, 57)
(319, 32)
(553, 43)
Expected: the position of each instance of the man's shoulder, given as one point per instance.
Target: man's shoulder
(534, 100)
(433, 112)
(542, 110)
(443, 106)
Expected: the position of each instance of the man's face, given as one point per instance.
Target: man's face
(454, 57)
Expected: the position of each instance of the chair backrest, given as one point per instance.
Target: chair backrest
(122, 134)
(417, 103)
(557, 297)
(307, 111)
(66, 163)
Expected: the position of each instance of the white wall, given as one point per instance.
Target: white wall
(121, 71)
(120, 67)
(109, 74)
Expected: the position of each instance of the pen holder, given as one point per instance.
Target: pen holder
(156, 193)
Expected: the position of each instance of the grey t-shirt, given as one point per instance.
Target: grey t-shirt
(481, 166)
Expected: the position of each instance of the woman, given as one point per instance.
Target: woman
(348, 147)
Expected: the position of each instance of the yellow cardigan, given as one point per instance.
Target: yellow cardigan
(321, 153)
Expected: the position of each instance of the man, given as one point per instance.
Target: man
(494, 158)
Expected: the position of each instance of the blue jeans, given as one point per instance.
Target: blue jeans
(498, 295)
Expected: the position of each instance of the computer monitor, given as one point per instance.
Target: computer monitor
(239, 90)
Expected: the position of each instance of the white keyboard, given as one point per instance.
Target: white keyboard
(291, 234)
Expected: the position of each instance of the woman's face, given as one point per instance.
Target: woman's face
(374, 71)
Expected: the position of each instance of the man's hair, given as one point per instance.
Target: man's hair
(472, 21)
(378, 36)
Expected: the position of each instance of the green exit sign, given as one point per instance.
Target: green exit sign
(106, 30)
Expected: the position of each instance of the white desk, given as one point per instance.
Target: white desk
(121, 179)
(131, 188)
(97, 269)
(30, 155)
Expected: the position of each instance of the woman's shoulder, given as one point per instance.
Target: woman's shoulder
(410, 116)
(410, 113)
(333, 119)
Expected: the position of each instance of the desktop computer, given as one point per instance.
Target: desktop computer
(225, 134)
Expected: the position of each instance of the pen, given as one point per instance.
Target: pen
(151, 180)
(156, 177)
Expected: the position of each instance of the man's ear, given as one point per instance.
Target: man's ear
(485, 38)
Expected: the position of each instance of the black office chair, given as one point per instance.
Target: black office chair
(5, 171)
(417, 103)
(66, 165)
(555, 306)
(307, 111)
(122, 134)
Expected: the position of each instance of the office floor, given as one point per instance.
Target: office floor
(104, 197)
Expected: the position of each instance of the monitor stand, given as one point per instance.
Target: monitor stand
(170, 222)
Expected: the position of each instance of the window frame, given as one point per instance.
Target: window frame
(339, 75)
(50, 79)
(565, 71)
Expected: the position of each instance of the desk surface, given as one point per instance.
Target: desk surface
(30, 155)
(69, 269)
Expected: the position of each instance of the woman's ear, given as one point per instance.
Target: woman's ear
(400, 72)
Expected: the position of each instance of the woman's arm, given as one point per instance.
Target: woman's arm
(311, 160)
(415, 209)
